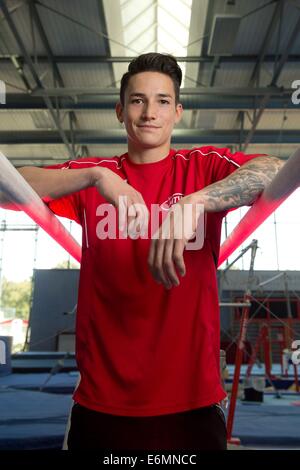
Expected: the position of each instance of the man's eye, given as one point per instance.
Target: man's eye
(164, 101)
(137, 100)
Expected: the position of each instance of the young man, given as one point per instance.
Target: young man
(148, 318)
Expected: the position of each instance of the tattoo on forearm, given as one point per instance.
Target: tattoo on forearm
(243, 186)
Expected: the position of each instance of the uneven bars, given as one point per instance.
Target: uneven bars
(21, 194)
(281, 187)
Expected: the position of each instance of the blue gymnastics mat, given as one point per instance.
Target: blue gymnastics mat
(34, 420)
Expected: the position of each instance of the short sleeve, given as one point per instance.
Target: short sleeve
(67, 206)
(216, 164)
(222, 162)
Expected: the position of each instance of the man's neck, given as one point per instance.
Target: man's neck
(149, 155)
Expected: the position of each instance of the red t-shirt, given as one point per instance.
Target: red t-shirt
(143, 350)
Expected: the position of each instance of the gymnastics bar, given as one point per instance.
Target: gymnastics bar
(281, 187)
(21, 194)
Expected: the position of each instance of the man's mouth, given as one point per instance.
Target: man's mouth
(148, 127)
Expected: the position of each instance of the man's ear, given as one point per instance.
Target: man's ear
(179, 112)
(119, 111)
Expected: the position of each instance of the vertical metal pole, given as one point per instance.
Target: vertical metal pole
(240, 349)
(237, 368)
(276, 240)
(267, 350)
(296, 378)
(2, 229)
(69, 256)
(254, 354)
(289, 311)
(26, 342)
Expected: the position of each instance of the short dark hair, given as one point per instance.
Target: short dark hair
(153, 62)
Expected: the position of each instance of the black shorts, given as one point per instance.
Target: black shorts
(199, 429)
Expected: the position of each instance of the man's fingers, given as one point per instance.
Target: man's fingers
(178, 259)
(166, 254)
(138, 219)
(131, 216)
(157, 263)
(151, 254)
(132, 205)
(168, 265)
(122, 212)
(155, 260)
(143, 214)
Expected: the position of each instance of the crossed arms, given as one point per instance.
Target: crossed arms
(165, 260)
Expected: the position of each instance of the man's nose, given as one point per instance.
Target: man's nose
(149, 111)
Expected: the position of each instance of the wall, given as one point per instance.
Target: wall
(55, 292)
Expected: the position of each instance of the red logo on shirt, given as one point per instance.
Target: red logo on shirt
(165, 206)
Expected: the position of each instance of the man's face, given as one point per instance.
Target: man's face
(149, 111)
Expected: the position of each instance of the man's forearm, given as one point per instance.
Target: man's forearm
(53, 184)
(240, 188)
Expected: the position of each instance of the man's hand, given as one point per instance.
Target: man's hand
(240, 188)
(130, 203)
(169, 241)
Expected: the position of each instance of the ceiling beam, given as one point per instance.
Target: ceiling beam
(182, 136)
(18, 38)
(56, 72)
(209, 90)
(267, 39)
(276, 74)
(100, 59)
(210, 100)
